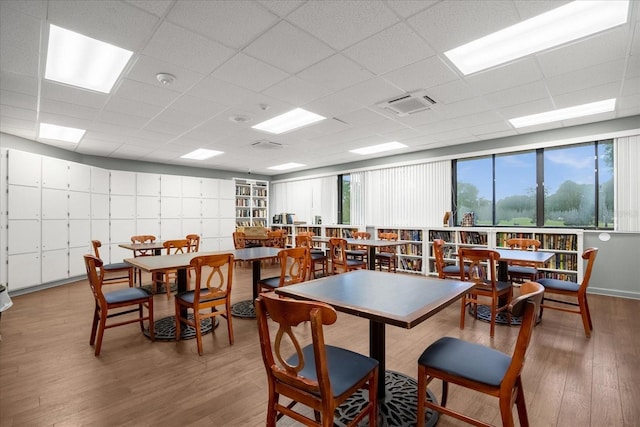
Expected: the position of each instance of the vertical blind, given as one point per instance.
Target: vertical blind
(415, 195)
(306, 199)
(627, 180)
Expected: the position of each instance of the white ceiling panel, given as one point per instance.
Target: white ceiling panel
(238, 63)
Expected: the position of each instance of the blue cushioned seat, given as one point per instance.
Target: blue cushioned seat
(516, 269)
(272, 282)
(126, 294)
(346, 368)
(467, 360)
(454, 269)
(204, 295)
(116, 266)
(559, 284)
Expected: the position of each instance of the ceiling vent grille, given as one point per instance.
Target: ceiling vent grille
(409, 103)
(266, 145)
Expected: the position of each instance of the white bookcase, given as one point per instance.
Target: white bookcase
(252, 200)
(411, 252)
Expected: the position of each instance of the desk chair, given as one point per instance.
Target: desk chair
(172, 247)
(319, 376)
(338, 256)
(144, 238)
(110, 304)
(212, 293)
(481, 368)
(294, 268)
(117, 272)
(318, 256)
(574, 290)
(359, 252)
(522, 271)
(194, 246)
(487, 289)
(386, 256)
(451, 271)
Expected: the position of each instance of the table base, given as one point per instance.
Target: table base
(243, 309)
(399, 407)
(165, 328)
(484, 314)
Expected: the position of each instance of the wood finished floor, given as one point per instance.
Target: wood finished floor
(49, 376)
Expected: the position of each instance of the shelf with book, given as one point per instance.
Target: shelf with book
(455, 238)
(251, 203)
(410, 253)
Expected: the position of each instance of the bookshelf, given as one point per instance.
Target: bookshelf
(455, 238)
(251, 203)
(410, 253)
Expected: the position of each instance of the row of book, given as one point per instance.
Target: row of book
(411, 264)
(411, 249)
(566, 242)
(473, 238)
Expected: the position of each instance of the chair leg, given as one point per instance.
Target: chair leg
(178, 321)
(521, 404)
(196, 324)
(227, 317)
(586, 321)
(505, 410)
(494, 313)
(445, 393)
(140, 316)
(586, 306)
(462, 311)
(94, 326)
(152, 332)
(422, 391)
(101, 328)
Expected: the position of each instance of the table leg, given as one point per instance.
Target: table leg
(256, 277)
(503, 271)
(372, 258)
(377, 351)
(245, 309)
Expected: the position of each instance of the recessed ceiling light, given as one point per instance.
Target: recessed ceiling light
(565, 113)
(555, 27)
(378, 148)
(60, 133)
(294, 119)
(201, 154)
(81, 61)
(286, 166)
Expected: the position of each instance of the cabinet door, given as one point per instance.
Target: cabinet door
(23, 236)
(211, 244)
(23, 202)
(99, 181)
(79, 205)
(55, 265)
(123, 207)
(191, 187)
(76, 261)
(55, 234)
(100, 230)
(55, 204)
(227, 189)
(171, 229)
(227, 208)
(79, 233)
(148, 207)
(23, 271)
(210, 208)
(79, 177)
(170, 207)
(121, 231)
(170, 186)
(227, 227)
(192, 226)
(191, 208)
(24, 168)
(99, 206)
(210, 188)
(55, 173)
(148, 184)
(122, 183)
(210, 227)
(148, 226)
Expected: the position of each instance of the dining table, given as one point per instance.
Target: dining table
(371, 244)
(400, 300)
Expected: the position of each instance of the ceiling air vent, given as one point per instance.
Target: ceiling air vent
(266, 145)
(408, 104)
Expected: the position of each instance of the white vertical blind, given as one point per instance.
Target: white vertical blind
(306, 198)
(414, 195)
(627, 180)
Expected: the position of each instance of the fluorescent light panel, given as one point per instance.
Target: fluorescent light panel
(286, 166)
(293, 119)
(81, 61)
(60, 133)
(561, 25)
(565, 113)
(379, 148)
(201, 154)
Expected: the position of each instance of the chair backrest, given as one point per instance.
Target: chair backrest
(176, 246)
(276, 238)
(303, 241)
(338, 251)
(276, 351)
(361, 235)
(305, 233)
(439, 255)
(95, 274)
(589, 255)
(390, 237)
(194, 242)
(96, 244)
(526, 306)
(238, 240)
(525, 245)
(143, 238)
(214, 282)
(294, 265)
(482, 265)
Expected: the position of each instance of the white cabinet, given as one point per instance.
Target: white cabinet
(148, 184)
(191, 187)
(23, 271)
(79, 177)
(24, 168)
(99, 181)
(55, 234)
(122, 183)
(55, 173)
(55, 204)
(23, 202)
(170, 186)
(55, 265)
(79, 205)
(23, 236)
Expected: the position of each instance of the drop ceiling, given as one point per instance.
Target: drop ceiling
(238, 63)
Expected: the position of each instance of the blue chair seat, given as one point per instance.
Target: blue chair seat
(387, 255)
(467, 360)
(517, 269)
(561, 285)
(116, 266)
(454, 269)
(205, 295)
(126, 294)
(351, 262)
(273, 282)
(346, 368)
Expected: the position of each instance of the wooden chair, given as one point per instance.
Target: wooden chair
(318, 256)
(143, 238)
(481, 368)
(117, 272)
(212, 293)
(522, 271)
(318, 376)
(451, 271)
(338, 256)
(358, 251)
(276, 239)
(487, 290)
(172, 247)
(194, 246)
(112, 304)
(294, 268)
(386, 257)
(573, 290)
(239, 242)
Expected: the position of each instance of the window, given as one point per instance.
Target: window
(568, 186)
(344, 190)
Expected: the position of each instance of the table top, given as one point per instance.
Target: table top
(142, 246)
(362, 242)
(395, 299)
(164, 262)
(539, 257)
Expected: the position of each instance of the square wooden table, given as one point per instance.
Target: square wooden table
(371, 244)
(395, 299)
(506, 255)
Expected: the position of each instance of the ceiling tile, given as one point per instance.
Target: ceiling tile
(370, 92)
(503, 77)
(158, 8)
(288, 48)
(406, 8)
(72, 95)
(132, 107)
(282, 7)
(10, 111)
(147, 93)
(146, 69)
(335, 72)
(19, 100)
(518, 95)
(343, 23)
(390, 49)
(52, 106)
(422, 75)
(250, 73)
(19, 83)
(585, 78)
(19, 43)
(296, 91)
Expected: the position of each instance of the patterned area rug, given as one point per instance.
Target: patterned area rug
(165, 328)
(161, 289)
(399, 407)
(484, 314)
(243, 309)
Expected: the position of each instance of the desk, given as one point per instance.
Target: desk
(506, 255)
(394, 299)
(372, 244)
